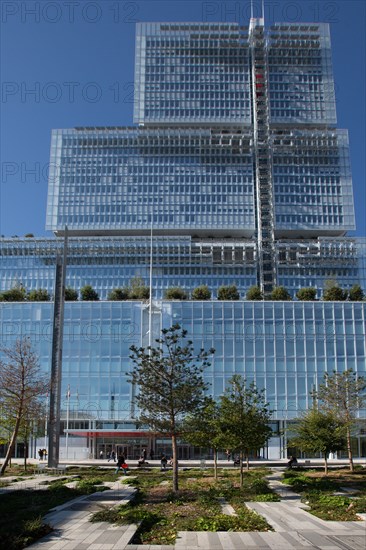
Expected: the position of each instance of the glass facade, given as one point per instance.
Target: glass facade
(110, 262)
(199, 73)
(284, 347)
(125, 180)
(312, 183)
(301, 85)
(191, 73)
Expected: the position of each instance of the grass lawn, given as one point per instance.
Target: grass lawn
(196, 506)
(318, 491)
(21, 511)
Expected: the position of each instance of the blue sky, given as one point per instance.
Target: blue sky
(70, 63)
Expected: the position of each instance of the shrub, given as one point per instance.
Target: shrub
(88, 294)
(228, 293)
(175, 293)
(201, 293)
(254, 293)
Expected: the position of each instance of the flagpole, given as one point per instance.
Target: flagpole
(46, 422)
(150, 290)
(67, 421)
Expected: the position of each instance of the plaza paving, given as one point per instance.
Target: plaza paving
(294, 527)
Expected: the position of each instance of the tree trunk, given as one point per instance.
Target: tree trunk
(241, 468)
(349, 449)
(25, 455)
(215, 463)
(247, 457)
(325, 464)
(11, 444)
(175, 464)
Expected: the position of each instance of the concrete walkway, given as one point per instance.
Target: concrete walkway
(294, 527)
(73, 530)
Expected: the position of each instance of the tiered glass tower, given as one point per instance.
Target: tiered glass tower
(235, 173)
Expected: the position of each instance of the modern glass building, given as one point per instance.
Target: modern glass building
(235, 173)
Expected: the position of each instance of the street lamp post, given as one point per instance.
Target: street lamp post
(67, 420)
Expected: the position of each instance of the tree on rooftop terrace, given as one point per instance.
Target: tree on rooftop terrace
(138, 290)
(201, 292)
(175, 293)
(306, 294)
(22, 388)
(356, 294)
(88, 294)
(228, 293)
(15, 294)
(71, 295)
(169, 377)
(333, 292)
(280, 293)
(118, 294)
(39, 295)
(254, 293)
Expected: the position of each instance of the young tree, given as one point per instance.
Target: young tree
(244, 419)
(88, 294)
(175, 293)
(22, 386)
(202, 428)
(343, 394)
(201, 292)
(170, 381)
(228, 293)
(254, 293)
(319, 432)
(356, 294)
(71, 295)
(280, 293)
(306, 294)
(39, 295)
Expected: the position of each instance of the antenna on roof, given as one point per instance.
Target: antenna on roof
(263, 11)
(251, 9)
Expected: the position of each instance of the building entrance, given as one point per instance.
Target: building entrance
(131, 448)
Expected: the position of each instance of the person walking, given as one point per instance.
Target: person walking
(40, 454)
(120, 461)
(112, 456)
(163, 462)
(101, 455)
